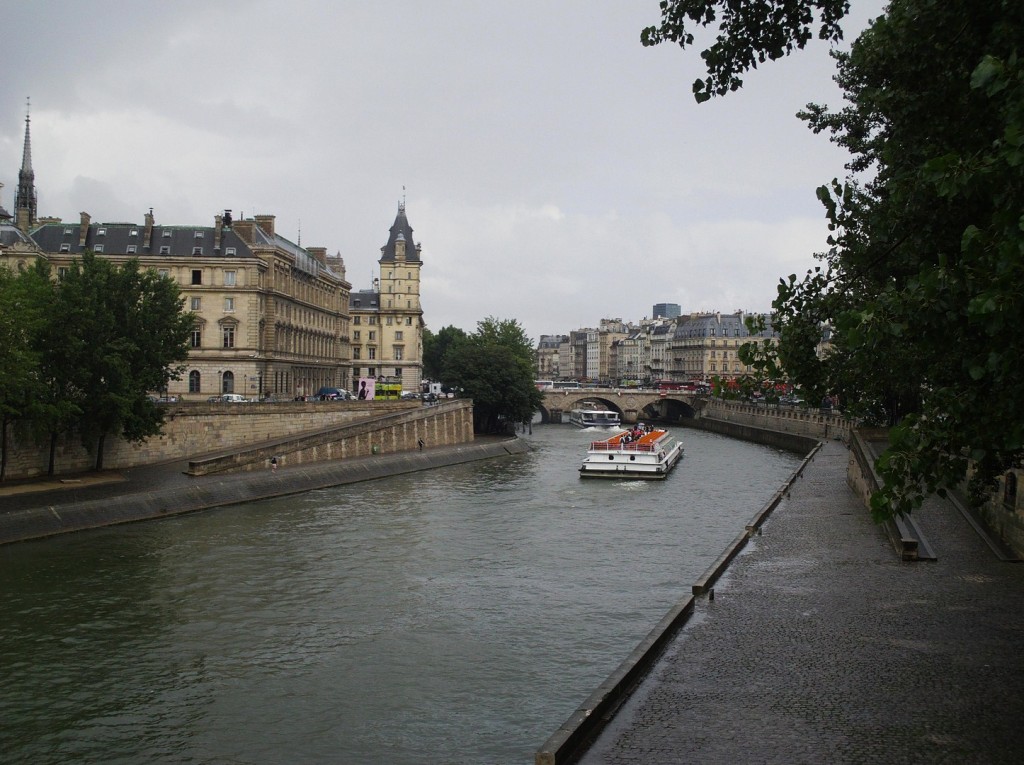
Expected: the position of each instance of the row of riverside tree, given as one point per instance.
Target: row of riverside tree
(921, 281)
(493, 366)
(79, 354)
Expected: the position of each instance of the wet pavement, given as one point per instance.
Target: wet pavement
(821, 646)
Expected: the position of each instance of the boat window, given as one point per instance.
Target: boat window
(632, 457)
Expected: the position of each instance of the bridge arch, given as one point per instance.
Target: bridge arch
(632, 405)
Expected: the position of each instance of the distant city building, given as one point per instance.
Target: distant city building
(666, 311)
(707, 345)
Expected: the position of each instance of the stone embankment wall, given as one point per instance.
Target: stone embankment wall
(792, 428)
(448, 424)
(191, 427)
(1004, 512)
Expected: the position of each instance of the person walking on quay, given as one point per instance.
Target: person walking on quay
(419, 443)
(273, 464)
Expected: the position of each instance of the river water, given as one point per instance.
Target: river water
(453, 615)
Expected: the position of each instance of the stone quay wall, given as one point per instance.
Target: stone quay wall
(190, 427)
(815, 424)
(448, 424)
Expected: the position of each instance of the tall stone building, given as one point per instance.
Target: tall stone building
(270, 316)
(387, 320)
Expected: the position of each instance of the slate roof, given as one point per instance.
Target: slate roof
(364, 300)
(717, 325)
(400, 228)
(116, 238)
(11, 234)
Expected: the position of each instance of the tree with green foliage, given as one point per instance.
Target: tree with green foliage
(435, 347)
(494, 367)
(24, 300)
(116, 333)
(921, 284)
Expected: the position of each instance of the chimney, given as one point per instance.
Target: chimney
(83, 229)
(245, 230)
(147, 234)
(218, 226)
(266, 222)
(319, 254)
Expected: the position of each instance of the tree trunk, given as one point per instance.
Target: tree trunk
(3, 449)
(99, 452)
(53, 453)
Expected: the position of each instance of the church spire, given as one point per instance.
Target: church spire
(25, 197)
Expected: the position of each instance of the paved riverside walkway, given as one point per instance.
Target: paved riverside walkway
(821, 646)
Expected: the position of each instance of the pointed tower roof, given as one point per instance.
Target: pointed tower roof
(400, 228)
(25, 197)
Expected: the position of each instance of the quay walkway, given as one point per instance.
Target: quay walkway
(819, 645)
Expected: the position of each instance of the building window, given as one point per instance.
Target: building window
(229, 278)
(163, 272)
(355, 354)
(228, 333)
(408, 321)
(389, 320)
(132, 249)
(97, 248)
(193, 381)
(101, 232)
(167, 234)
(355, 320)
(398, 372)
(197, 304)
(199, 234)
(133, 232)
(398, 335)
(65, 248)
(371, 336)
(356, 334)
(229, 304)
(197, 339)
(165, 250)
(229, 251)
(372, 320)
(197, 250)
(371, 353)
(398, 352)
(227, 383)
(62, 272)
(197, 276)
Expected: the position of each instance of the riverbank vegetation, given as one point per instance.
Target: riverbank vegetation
(920, 282)
(493, 366)
(80, 353)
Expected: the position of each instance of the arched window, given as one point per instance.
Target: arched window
(1010, 490)
(193, 381)
(227, 383)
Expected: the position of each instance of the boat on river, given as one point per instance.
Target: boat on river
(648, 453)
(594, 418)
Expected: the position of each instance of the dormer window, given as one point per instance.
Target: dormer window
(132, 249)
(65, 248)
(199, 234)
(68, 232)
(166, 234)
(229, 251)
(133, 232)
(197, 250)
(101, 232)
(97, 248)
(165, 250)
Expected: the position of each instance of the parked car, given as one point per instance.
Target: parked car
(228, 398)
(332, 394)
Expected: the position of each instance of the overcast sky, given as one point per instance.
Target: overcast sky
(555, 171)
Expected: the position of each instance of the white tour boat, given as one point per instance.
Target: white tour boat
(639, 453)
(594, 418)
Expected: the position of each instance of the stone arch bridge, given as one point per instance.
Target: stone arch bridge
(632, 405)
